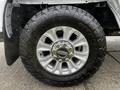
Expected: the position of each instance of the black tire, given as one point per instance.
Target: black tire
(55, 16)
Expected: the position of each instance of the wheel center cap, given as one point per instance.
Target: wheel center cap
(62, 50)
(62, 53)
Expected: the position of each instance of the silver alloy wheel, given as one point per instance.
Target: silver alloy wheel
(62, 50)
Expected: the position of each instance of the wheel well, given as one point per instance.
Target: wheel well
(101, 11)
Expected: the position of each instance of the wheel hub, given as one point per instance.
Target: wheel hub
(62, 53)
(62, 50)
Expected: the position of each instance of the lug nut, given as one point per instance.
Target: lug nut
(64, 45)
(67, 59)
(54, 55)
(57, 46)
(60, 60)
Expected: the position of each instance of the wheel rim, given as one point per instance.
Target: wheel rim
(62, 50)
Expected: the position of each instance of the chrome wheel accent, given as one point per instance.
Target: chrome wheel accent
(62, 50)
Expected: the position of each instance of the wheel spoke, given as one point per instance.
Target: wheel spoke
(58, 67)
(43, 46)
(81, 53)
(79, 41)
(80, 57)
(67, 33)
(52, 35)
(71, 65)
(46, 60)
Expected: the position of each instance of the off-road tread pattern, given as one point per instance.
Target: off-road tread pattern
(96, 30)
